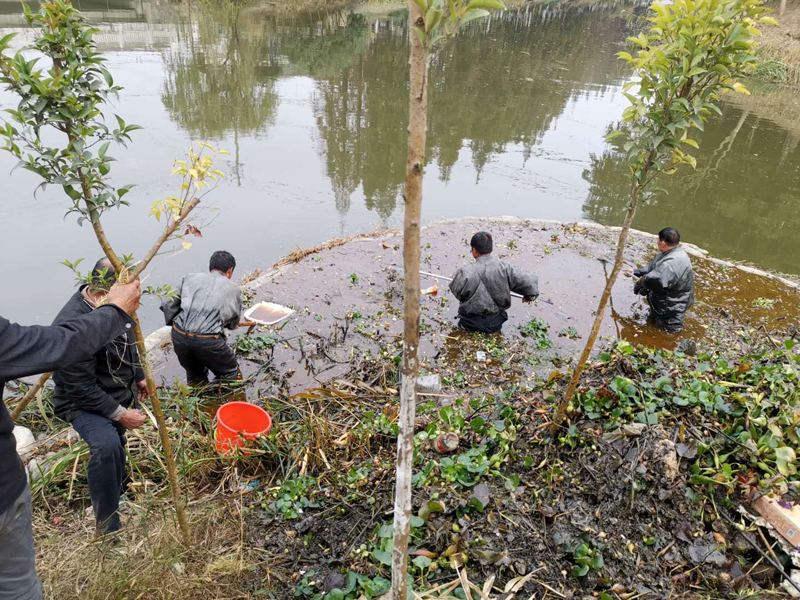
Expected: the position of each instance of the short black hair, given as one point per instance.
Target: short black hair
(221, 260)
(103, 275)
(670, 236)
(482, 242)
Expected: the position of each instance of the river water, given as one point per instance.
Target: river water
(313, 108)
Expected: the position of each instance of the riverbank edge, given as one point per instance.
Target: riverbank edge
(159, 342)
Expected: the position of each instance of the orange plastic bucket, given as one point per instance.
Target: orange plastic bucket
(238, 421)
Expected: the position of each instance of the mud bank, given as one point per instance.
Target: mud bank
(348, 297)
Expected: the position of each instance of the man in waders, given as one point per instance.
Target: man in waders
(206, 305)
(667, 282)
(484, 288)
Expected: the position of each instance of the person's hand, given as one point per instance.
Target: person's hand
(249, 324)
(125, 296)
(144, 393)
(628, 273)
(132, 418)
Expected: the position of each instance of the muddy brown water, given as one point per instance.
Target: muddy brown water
(313, 108)
(359, 286)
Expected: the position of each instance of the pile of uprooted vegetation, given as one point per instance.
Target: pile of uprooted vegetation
(636, 497)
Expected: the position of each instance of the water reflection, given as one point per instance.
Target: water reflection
(500, 84)
(220, 75)
(741, 202)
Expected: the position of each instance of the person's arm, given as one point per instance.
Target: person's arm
(461, 286)
(39, 349)
(659, 280)
(79, 382)
(232, 314)
(523, 283)
(645, 270)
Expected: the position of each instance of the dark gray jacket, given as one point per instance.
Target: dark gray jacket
(484, 287)
(668, 283)
(101, 383)
(31, 350)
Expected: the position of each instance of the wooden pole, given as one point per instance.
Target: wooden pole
(29, 395)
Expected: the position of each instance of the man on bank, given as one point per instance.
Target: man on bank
(484, 288)
(667, 282)
(206, 305)
(27, 351)
(99, 397)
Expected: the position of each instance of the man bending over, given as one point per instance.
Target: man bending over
(484, 288)
(667, 282)
(207, 304)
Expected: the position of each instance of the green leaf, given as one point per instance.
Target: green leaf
(423, 562)
(495, 4)
(109, 79)
(423, 5)
(6, 39)
(104, 149)
(420, 35)
(765, 20)
(335, 594)
(471, 15)
(417, 521)
(382, 557)
(691, 143)
(580, 570)
(625, 56)
(598, 562)
(386, 531)
(432, 19)
(614, 134)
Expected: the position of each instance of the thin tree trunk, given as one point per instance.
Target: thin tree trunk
(417, 132)
(561, 411)
(126, 277)
(29, 395)
(172, 473)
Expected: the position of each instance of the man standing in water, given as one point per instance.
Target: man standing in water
(484, 288)
(207, 304)
(667, 282)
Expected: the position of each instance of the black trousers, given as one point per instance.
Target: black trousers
(198, 356)
(106, 470)
(483, 323)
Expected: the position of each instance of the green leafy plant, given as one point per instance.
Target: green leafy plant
(293, 497)
(536, 329)
(586, 557)
(260, 342)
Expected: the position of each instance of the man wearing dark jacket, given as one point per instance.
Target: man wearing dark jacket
(484, 288)
(28, 351)
(98, 396)
(667, 282)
